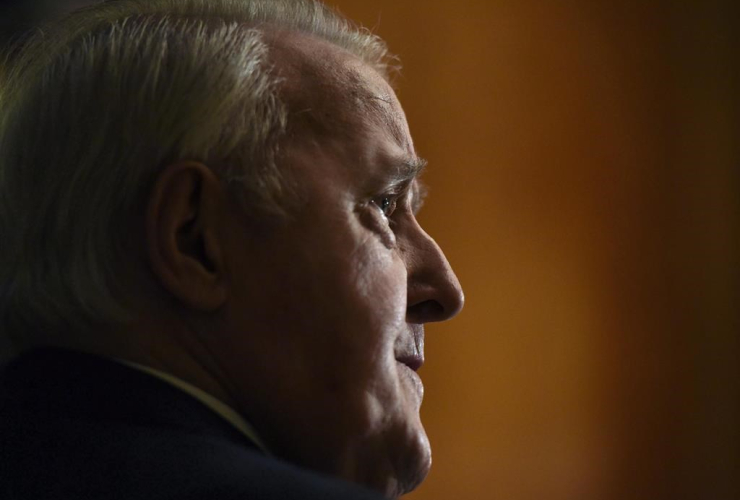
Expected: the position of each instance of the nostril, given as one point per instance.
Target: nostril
(426, 311)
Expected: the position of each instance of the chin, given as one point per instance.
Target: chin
(412, 466)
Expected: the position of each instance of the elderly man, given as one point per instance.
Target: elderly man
(210, 259)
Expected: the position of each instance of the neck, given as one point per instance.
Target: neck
(173, 347)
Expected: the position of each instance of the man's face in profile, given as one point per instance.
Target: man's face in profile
(332, 302)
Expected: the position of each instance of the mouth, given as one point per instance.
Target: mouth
(409, 378)
(413, 361)
(412, 353)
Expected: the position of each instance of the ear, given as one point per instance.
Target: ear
(183, 244)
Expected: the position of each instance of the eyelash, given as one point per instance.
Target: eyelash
(386, 203)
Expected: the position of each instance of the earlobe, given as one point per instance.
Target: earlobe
(183, 245)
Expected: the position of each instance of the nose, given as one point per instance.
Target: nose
(434, 292)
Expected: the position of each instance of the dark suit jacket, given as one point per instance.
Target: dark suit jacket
(76, 426)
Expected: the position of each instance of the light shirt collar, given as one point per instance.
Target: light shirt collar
(215, 404)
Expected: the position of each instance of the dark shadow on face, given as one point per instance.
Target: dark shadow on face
(337, 297)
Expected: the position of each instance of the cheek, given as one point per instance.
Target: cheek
(378, 270)
(364, 316)
(380, 279)
(373, 222)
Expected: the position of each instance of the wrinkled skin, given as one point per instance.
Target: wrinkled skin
(312, 330)
(337, 295)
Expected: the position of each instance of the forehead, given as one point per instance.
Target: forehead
(333, 92)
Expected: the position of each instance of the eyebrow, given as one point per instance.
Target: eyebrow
(407, 169)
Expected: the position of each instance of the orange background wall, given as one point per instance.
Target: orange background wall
(584, 166)
(584, 172)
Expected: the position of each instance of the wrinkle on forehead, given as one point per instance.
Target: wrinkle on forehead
(387, 109)
(333, 92)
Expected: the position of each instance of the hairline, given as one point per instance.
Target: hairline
(93, 23)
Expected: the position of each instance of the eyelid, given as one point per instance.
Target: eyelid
(395, 193)
(379, 205)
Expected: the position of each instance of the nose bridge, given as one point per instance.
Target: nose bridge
(430, 275)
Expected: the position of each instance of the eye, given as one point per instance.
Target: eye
(386, 204)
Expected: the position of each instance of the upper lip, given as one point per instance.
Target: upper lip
(413, 356)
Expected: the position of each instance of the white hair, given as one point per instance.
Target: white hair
(98, 103)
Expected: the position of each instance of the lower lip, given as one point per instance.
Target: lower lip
(414, 379)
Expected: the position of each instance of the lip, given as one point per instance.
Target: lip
(413, 361)
(409, 378)
(412, 352)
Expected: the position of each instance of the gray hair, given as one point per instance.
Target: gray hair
(98, 103)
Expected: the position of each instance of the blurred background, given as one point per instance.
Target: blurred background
(584, 166)
(585, 185)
